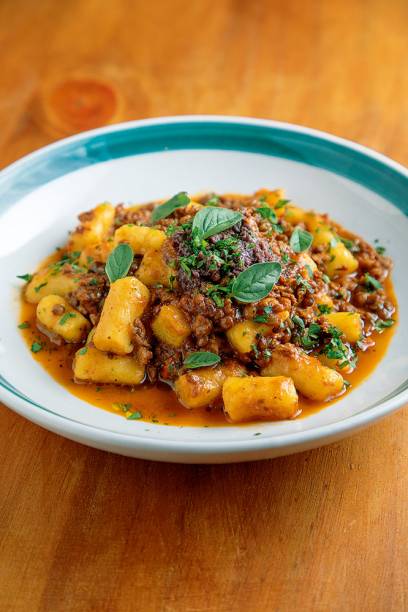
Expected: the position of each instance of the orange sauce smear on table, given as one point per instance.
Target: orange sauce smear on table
(158, 403)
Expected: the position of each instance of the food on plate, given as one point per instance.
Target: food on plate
(247, 307)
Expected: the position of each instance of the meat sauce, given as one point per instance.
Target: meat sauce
(158, 403)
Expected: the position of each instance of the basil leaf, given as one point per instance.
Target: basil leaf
(201, 359)
(267, 213)
(119, 262)
(255, 282)
(164, 210)
(213, 220)
(300, 240)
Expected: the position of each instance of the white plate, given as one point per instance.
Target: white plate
(41, 194)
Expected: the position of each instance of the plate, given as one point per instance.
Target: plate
(41, 194)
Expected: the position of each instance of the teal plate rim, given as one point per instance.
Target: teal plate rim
(355, 162)
(345, 158)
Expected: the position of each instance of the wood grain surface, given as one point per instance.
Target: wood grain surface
(84, 530)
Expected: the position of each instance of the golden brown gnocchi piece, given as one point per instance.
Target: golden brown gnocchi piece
(95, 226)
(140, 238)
(312, 379)
(153, 270)
(57, 316)
(202, 387)
(255, 397)
(125, 302)
(50, 282)
(171, 326)
(91, 365)
(349, 323)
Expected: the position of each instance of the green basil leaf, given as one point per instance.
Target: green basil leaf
(267, 213)
(201, 359)
(213, 220)
(164, 210)
(300, 240)
(119, 262)
(255, 282)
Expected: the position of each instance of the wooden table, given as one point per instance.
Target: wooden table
(81, 529)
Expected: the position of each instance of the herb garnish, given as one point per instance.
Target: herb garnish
(324, 308)
(255, 283)
(83, 350)
(201, 359)
(24, 325)
(65, 317)
(210, 221)
(119, 262)
(371, 283)
(281, 204)
(169, 231)
(36, 347)
(38, 287)
(166, 209)
(300, 240)
(336, 349)
(135, 416)
(267, 213)
(298, 321)
(311, 336)
(25, 277)
(67, 258)
(213, 201)
(380, 325)
(380, 249)
(304, 283)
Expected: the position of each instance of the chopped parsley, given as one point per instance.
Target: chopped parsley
(135, 416)
(171, 229)
(324, 308)
(304, 283)
(24, 325)
(83, 351)
(351, 245)
(281, 204)
(65, 317)
(298, 321)
(25, 277)
(380, 325)
(67, 258)
(371, 283)
(125, 407)
(38, 287)
(36, 347)
(336, 349)
(311, 336)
